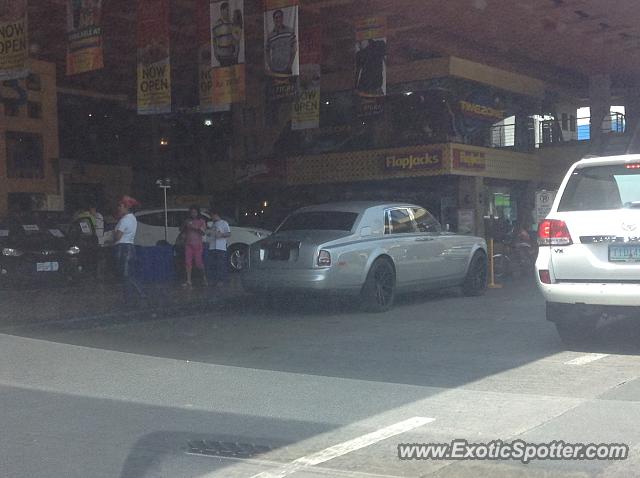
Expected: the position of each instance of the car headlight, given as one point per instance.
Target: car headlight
(8, 251)
(73, 251)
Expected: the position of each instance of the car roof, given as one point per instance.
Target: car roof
(608, 160)
(171, 209)
(352, 206)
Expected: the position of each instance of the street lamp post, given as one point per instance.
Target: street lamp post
(165, 184)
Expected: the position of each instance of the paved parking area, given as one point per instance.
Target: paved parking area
(314, 388)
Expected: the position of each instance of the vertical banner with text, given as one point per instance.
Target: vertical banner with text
(371, 69)
(84, 36)
(205, 80)
(154, 68)
(306, 108)
(14, 49)
(282, 61)
(227, 53)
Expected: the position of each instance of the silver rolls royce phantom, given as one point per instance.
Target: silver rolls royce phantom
(370, 249)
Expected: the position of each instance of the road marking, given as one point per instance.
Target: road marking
(345, 447)
(587, 358)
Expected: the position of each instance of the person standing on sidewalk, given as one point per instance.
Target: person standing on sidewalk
(194, 230)
(218, 232)
(125, 252)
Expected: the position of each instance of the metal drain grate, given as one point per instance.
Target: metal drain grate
(226, 449)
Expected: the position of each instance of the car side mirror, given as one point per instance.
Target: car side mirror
(365, 231)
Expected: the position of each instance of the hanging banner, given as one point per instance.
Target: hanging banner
(282, 62)
(14, 49)
(154, 68)
(84, 36)
(227, 53)
(205, 75)
(306, 109)
(371, 70)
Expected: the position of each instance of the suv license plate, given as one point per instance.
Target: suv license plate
(47, 267)
(624, 253)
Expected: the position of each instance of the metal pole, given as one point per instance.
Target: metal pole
(166, 215)
(492, 283)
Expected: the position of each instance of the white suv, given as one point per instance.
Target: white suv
(151, 232)
(589, 256)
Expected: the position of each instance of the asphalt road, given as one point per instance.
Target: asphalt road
(315, 389)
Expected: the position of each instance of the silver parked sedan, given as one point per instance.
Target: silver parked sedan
(368, 248)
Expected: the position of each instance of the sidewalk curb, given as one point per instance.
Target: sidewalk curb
(122, 317)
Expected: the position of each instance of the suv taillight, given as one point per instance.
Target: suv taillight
(324, 259)
(553, 232)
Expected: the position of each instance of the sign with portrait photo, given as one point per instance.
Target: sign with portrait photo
(227, 52)
(282, 63)
(371, 68)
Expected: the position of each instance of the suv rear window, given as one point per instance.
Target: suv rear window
(602, 188)
(320, 221)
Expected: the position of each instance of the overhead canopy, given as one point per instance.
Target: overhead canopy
(563, 41)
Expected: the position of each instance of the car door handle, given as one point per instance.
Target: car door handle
(424, 239)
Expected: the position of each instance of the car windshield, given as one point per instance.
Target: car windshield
(320, 221)
(602, 188)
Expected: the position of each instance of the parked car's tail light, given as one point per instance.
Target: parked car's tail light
(73, 251)
(8, 251)
(545, 276)
(553, 232)
(324, 259)
(633, 166)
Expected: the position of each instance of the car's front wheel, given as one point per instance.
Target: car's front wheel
(238, 257)
(379, 288)
(574, 328)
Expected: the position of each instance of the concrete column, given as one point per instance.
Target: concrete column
(632, 118)
(471, 196)
(600, 100)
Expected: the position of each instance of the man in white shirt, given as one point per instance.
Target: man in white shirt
(218, 232)
(125, 252)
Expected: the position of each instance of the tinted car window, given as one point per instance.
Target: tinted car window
(400, 222)
(320, 220)
(602, 188)
(425, 222)
(152, 219)
(176, 218)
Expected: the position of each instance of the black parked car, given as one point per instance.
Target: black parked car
(38, 246)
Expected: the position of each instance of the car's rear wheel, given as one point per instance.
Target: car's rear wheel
(574, 328)
(378, 292)
(475, 283)
(238, 257)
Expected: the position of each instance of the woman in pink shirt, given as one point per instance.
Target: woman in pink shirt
(194, 229)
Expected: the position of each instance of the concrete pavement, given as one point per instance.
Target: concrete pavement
(131, 400)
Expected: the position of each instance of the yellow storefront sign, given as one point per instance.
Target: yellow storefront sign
(427, 160)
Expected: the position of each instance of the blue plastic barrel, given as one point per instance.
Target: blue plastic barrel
(155, 264)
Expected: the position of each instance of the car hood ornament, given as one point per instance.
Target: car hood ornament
(628, 227)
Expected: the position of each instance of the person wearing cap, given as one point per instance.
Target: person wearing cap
(124, 237)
